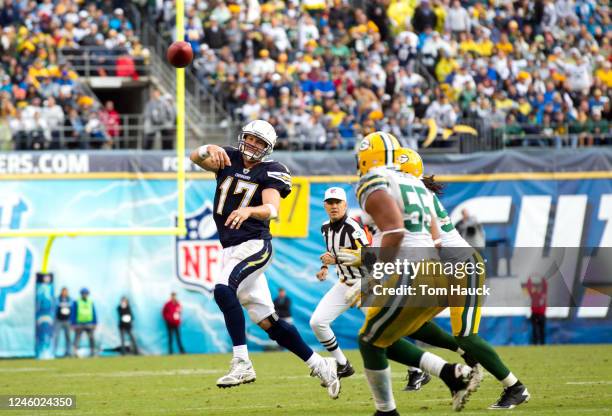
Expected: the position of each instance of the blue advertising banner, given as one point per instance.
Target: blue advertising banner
(518, 211)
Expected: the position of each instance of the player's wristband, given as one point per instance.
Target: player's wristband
(325, 266)
(395, 230)
(203, 151)
(437, 241)
(273, 211)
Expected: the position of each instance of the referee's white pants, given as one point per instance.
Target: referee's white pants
(331, 306)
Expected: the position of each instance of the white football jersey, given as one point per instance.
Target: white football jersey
(412, 198)
(449, 236)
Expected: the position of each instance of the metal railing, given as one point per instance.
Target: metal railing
(95, 61)
(81, 85)
(422, 70)
(556, 140)
(554, 134)
(414, 137)
(131, 133)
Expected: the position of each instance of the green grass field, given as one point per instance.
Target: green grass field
(563, 380)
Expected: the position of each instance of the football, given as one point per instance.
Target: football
(179, 54)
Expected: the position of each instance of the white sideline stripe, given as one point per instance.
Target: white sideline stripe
(581, 383)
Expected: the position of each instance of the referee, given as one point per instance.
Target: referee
(339, 232)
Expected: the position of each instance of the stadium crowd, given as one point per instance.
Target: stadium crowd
(324, 72)
(40, 94)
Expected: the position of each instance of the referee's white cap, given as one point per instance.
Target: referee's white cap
(335, 193)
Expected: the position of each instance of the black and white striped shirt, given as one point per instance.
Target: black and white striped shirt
(345, 233)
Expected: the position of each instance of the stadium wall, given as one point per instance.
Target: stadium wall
(511, 193)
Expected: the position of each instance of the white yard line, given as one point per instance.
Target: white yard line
(144, 373)
(22, 369)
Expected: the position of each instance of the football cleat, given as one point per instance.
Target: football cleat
(327, 372)
(416, 379)
(345, 370)
(462, 383)
(477, 377)
(241, 372)
(511, 397)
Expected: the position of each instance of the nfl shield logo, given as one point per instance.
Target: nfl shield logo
(199, 252)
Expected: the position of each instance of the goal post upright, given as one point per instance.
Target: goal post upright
(180, 123)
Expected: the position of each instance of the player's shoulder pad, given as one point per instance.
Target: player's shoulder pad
(278, 171)
(273, 164)
(375, 179)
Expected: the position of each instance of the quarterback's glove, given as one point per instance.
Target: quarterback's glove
(349, 257)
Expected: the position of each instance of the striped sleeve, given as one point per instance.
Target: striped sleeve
(367, 185)
(357, 235)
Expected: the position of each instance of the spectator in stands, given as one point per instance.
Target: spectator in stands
(95, 133)
(442, 112)
(62, 322)
(251, 110)
(263, 66)
(54, 118)
(111, 120)
(19, 135)
(74, 130)
(377, 13)
(5, 134)
(37, 130)
(159, 118)
(118, 21)
(599, 128)
(172, 316)
(458, 19)
(214, 35)
(126, 320)
(424, 17)
(83, 319)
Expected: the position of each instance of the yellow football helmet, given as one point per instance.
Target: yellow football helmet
(410, 162)
(377, 149)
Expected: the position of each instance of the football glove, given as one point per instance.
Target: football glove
(353, 295)
(349, 257)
